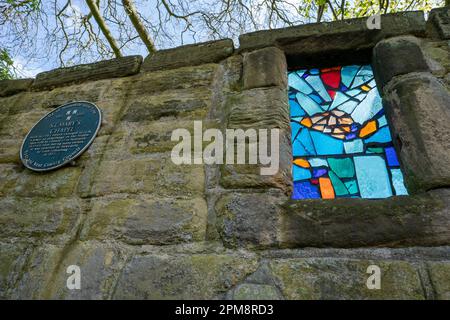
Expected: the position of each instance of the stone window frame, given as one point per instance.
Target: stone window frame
(399, 66)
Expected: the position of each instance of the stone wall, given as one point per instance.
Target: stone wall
(141, 227)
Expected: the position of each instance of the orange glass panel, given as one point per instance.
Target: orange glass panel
(302, 163)
(369, 128)
(326, 188)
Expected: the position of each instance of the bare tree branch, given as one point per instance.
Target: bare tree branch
(140, 28)
(102, 25)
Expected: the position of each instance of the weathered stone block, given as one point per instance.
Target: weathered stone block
(397, 221)
(189, 55)
(37, 217)
(439, 22)
(37, 276)
(334, 278)
(437, 54)
(339, 35)
(144, 220)
(439, 276)
(262, 108)
(249, 218)
(18, 125)
(397, 56)
(417, 105)
(13, 257)
(237, 176)
(100, 264)
(264, 68)
(17, 180)
(195, 276)
(118, 67)
(10, 87)
(193, 103)
(9, 150)
(89, 91)
(154, 174)
(189, 77)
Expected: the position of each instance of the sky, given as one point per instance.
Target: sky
(46, 59)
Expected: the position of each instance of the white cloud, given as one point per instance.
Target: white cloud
(24, 70)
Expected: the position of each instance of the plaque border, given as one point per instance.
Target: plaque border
(79, 152)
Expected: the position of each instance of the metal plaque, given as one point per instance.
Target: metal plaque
(61, 136)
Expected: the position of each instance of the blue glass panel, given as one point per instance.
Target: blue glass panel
(325, 144)
(318, 86)
(353, 146)
(381, 136)
(305, 190)
(319, 172)
(382, 122)
(368, 107)
(300, 173)
(391, 157)
(296, 110)
(397, 182)
(309, 105)
(348, 106)
(348, 73)
(295, 127)
(317, 162)
(373, 178)
(299, 84)
(303, 145)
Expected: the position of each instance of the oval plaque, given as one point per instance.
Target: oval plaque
(61, 136)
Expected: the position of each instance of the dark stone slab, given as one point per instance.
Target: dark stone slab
(114, 68)
(10, 87)
(326, 43)
(417, 106)
(397, 56)
(250, 219)
(264, 68)
(189, 55)
(439, 22)
(345, 223)
(264, 220)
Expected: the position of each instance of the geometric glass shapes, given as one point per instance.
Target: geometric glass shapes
(341, 142)
(296, 110)
(351, 186)
(317, 84)
(303, 144)
(305, 190)
(300, 173)
(391, 157)
(342, 167)
(338, 185)
(354, 146)
(347, 74)
(310, 106)
(326, 188)
(298, 83)
(381, 136)
(368, 128)
(397, 182)
(382, 122)
(317, 162)
(325, 144)
(367, 108)
(373, 178)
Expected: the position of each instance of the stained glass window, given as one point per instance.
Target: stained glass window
(342, 146)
